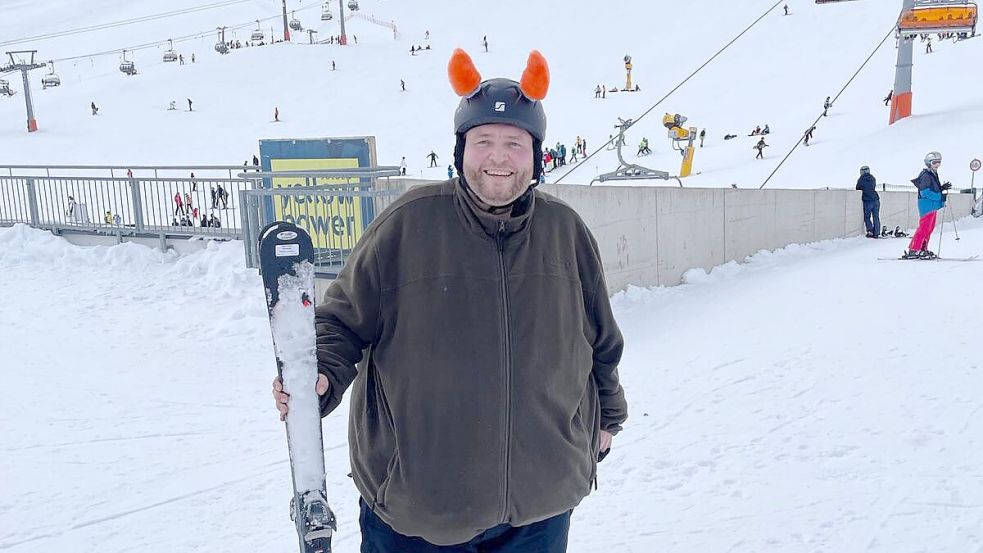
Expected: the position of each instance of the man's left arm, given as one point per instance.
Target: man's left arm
(608, 345)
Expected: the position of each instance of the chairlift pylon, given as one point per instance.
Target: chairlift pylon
(51, 79)
(126, 66)
(295, 23)
(326, 14)
(170, 55)
(258, 34)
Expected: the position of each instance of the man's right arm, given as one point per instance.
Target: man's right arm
(347, 321)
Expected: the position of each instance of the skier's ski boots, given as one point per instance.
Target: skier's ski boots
(912, 254)
(926, 254)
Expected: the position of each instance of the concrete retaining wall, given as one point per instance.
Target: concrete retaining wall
(652, 235)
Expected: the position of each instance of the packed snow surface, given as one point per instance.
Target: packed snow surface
(811, 399)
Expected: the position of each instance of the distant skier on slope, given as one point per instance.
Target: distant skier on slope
(760, 146)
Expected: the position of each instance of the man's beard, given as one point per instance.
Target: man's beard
(493, 195)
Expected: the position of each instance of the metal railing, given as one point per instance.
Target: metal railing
(176, 206)
(232, 202)
(155, 171)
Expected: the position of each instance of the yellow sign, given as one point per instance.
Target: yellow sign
(334, 222)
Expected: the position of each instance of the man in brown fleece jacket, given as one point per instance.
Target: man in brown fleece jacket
(473, 325)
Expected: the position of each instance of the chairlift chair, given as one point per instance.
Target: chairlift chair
(51, 79)
(939, 16)
(295, 23)
(326, 14)
(5, 88)
(170, 55)
(127, 67)
(257, 35)
(221, 47)
(353, 5)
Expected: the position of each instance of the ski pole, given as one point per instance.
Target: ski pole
(938, 250)
(953, 219)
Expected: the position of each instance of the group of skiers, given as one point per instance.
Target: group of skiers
(210, 221)
(556, 156)
(931, 199)
(184, 206)
(601, 90)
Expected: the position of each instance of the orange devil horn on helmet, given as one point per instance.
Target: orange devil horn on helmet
(462, 73)
(536, 78)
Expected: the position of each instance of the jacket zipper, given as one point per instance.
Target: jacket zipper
(507, 347)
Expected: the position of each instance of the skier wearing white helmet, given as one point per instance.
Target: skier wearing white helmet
(930, 200)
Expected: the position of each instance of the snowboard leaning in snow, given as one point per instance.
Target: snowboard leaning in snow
(286, 261)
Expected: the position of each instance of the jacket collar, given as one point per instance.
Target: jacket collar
(480, 221)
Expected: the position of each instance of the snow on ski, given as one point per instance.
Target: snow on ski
(286, 263)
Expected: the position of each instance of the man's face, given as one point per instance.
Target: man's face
(498, 162)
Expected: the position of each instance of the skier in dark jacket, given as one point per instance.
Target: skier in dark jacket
(930, 200)
(871, 200)
(490, 383)
(760, 147)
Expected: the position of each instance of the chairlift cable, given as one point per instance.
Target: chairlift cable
(677, 87)
(838, 94)
(122, 23)
(184, 38)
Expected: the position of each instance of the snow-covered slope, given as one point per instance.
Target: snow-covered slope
(812, 399)
(778, 73)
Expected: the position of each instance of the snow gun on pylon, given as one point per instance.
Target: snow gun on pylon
(681, 139)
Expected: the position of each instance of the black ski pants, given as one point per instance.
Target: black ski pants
(547, 536)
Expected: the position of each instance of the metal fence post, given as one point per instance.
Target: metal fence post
(32, 202)
(249, 228)
(137, 204)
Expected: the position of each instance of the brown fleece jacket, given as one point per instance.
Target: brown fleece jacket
(491, 364)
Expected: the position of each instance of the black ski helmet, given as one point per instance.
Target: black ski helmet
(500, 101)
